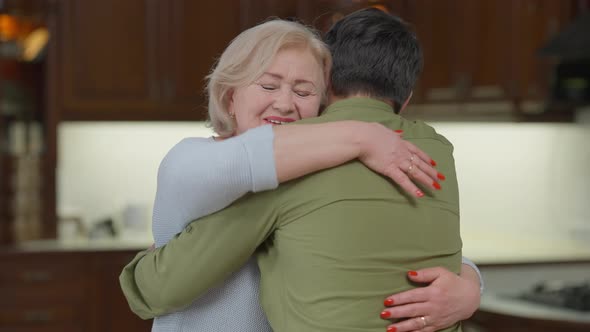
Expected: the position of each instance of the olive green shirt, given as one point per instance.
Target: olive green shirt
(331, 245)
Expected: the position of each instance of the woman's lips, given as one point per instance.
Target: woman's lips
(277, 120)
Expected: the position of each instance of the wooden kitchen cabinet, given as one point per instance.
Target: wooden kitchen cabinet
(475, 52)
(535, 23)
(196, 34)
(483, 321)
(65, 291)
(147, 59)
(138, 59)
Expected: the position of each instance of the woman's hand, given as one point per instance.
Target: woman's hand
(385, 152)
(448, 299)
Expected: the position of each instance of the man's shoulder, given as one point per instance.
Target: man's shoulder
(418, 129)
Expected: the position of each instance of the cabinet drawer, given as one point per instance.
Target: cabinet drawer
(41, 328)
(43, 315)
(61, 291)
(30, 270)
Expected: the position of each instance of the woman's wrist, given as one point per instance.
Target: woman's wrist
(362, 136)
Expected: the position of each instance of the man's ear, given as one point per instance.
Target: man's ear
(406, 102)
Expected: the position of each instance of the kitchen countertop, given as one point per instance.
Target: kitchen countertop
(483, 248)
(112, 244)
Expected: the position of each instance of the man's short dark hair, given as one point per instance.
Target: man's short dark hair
(375, 54)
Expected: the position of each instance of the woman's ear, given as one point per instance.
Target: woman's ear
(230, 103)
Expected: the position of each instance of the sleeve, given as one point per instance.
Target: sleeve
(200, 176)
(467, 261)
(169, 278)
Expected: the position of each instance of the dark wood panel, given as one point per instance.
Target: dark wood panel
(65, 291)
(483, 321)
(196, 34)
(108, 55)
(108, 298)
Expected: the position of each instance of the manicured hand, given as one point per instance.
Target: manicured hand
(447, 299)
(387, 153)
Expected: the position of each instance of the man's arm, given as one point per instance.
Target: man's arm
(170, 278)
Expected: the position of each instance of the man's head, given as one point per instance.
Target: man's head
(375, 54)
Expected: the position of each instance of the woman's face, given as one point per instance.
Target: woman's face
(290, 89)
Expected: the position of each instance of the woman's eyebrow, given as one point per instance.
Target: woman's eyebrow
(278, 76)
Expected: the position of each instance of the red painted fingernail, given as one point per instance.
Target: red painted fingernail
(388, 302)
(432, 162)
(419, 193)
(385, 314)
(440, 176)
(413, 273)
(436, 185)
(392, 329)
(399, 131)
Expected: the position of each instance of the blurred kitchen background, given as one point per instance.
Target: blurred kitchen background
(94, 93)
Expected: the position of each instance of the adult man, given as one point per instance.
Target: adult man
(338, 241)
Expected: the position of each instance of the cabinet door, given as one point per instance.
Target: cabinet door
(483, 32)
(436, 28)
(197, 32)
(323, 14)
(108, 50)
(535, 23)
(111, 311)
(253, 12)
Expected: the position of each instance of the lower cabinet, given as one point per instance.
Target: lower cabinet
(483, 321)
(65, 292)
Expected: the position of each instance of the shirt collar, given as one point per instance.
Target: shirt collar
(361, 103)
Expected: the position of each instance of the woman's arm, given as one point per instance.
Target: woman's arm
(303, 149)
(448, 299)
(199, 176)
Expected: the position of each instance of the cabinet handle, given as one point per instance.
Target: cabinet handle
(37, 276)
(38, 316)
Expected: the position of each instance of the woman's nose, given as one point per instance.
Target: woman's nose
(284, 102)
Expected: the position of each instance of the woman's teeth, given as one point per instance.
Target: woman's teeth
(275, 121)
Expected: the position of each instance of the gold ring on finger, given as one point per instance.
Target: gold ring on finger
(423, 319)
(411, 168)
(412, 158)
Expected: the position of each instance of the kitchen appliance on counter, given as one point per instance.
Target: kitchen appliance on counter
(575, 296)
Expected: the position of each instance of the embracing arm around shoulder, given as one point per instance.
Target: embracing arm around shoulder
(303, 149)
(199, 176)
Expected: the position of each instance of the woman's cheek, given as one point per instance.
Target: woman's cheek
(311, 109)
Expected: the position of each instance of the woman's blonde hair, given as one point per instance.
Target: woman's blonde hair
(248, 56)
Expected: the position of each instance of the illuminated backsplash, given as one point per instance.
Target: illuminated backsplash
(533, 178)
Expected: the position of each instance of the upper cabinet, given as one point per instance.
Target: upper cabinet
(139, 59)
(147, 59)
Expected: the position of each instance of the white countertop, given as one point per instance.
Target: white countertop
(85, 245)
(483, 248)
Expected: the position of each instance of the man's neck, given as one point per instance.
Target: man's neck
(333, 98)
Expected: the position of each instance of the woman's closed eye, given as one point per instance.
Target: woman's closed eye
(269, 87)
(303, 93)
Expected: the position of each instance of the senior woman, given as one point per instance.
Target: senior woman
(275, 73)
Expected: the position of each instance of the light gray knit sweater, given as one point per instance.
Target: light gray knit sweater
(198, 177)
